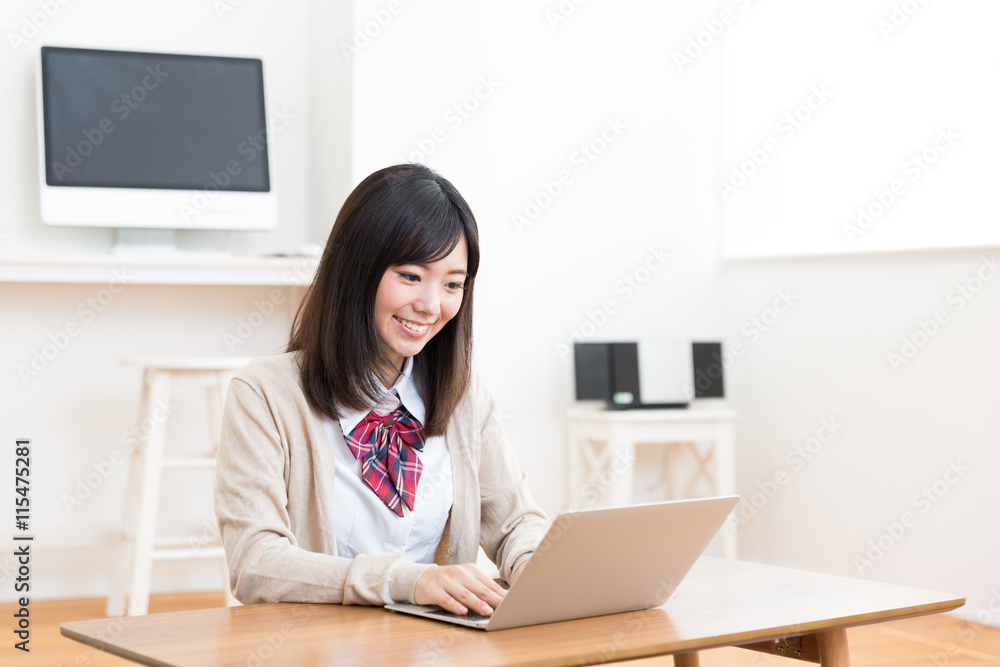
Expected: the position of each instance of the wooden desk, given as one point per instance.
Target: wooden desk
(721, 602)
(600, 451)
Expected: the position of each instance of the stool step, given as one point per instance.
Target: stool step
(190, 462)
(188, 553)
(186, 541)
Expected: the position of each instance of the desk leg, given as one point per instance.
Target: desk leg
(622, 467)
(686, 659)
(833, 648)
(725, 482)
(574, 463)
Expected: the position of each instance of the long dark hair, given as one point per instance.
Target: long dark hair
(404, 214)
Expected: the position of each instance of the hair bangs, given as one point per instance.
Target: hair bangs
(427, 231)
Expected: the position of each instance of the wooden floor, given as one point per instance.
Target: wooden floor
(927, 641)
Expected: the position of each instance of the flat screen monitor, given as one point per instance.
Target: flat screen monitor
(153, 140)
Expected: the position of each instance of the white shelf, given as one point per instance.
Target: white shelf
(183, 269)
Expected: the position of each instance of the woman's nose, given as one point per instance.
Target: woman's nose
(428, 301)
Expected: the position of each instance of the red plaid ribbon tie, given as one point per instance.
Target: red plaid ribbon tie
(387, 447)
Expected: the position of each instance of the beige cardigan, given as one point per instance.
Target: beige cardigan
(274, 500)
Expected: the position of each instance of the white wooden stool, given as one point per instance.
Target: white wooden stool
(601, 455)
(139, 548)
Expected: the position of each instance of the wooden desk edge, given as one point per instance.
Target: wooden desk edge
(671, 648)
(102, 645)
(817, 627)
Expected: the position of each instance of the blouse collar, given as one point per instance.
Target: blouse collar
(403, 391)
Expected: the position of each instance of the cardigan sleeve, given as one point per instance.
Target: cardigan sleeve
(266, 564)
(512, 524)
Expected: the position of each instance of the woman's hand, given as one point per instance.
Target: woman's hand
(459, 589)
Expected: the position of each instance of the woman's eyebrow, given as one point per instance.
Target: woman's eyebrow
(460, 272)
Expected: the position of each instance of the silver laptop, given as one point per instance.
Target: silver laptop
(602, 561)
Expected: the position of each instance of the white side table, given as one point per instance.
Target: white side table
(601, 454)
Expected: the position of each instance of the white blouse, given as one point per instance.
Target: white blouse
(363, 523)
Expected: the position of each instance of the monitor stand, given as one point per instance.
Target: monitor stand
(130, 241)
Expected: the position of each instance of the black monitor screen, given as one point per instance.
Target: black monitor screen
(150, 120)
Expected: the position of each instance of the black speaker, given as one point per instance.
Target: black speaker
(592, 365)
(707, 365)
(607, 372)
(624, 374)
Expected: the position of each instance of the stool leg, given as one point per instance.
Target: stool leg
(148, 499)
(216, 399)
(125, 556)
(231, 600)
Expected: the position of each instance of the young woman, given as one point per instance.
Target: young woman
(367, 464)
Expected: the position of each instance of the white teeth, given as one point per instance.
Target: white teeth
(419, 328)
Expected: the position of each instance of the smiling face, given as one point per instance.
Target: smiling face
(415, 301)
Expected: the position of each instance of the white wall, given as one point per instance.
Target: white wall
(889, 434)
(896, 433)
(79, 408)
(898, 349)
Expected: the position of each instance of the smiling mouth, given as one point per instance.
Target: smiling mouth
(413, 326)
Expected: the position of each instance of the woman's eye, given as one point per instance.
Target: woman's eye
(411, 277)
(455, 286)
